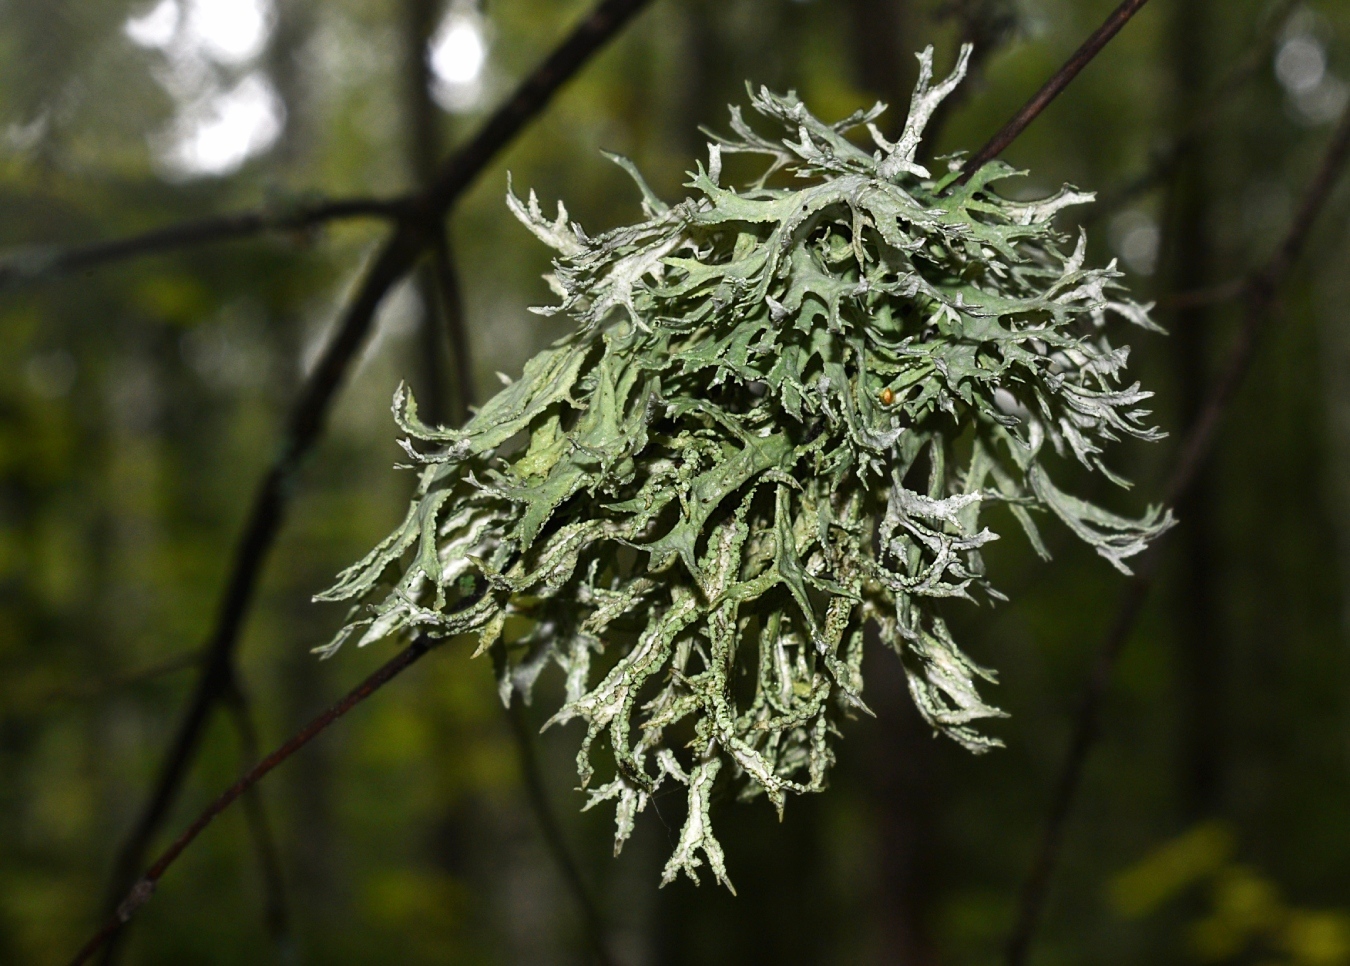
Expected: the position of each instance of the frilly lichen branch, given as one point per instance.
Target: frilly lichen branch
(779, 421)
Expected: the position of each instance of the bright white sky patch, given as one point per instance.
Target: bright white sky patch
(227, 129)
(228, 110)
(458, 56)
(231, 31)
(156, 28)
(458, 51)
(1300, 64)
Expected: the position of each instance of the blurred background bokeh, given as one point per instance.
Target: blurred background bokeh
(140, 402)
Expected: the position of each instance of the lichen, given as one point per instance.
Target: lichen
(779, 419)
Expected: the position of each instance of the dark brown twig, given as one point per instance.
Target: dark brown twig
(1259, 290)
(14, 700)
(1168, 155)
(144, 888)
(28, 264)
(1206, 295)
(1042, 98)
(552, 832)
(413, 234)
(276, 915)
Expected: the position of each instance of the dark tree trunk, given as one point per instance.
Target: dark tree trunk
(443, 391)
(884, 53)
(1202, 655)
(898, 765)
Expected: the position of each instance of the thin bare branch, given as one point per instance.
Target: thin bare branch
(553, 835)
(1259, 290)
(276, 915)
(1208, 295)
(48, 261)
(413, 234)
(17, 700)
(1042, 98)
(1166, 157)
(144, 888)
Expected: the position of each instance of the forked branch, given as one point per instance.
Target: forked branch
(415, 232)
(144, 888)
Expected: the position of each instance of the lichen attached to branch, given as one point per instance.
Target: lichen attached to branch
(781, 415)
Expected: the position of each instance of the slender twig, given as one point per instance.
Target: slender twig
(1207, 295)
(1166, 157)
(451, 303)
(1042, 98)
(94, 689)
(414, 232)
(45, 261)
(144, 888)
(1259, 290)
(276, 916)
(552, 832)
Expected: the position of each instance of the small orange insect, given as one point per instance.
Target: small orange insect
(887, 397)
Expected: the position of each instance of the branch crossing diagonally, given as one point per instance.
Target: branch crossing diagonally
(415, 231)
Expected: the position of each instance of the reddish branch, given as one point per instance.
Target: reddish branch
(416, 230)
(276, 915)
(552, 832)
(1258, 291)
(1042, 98)
(144, 888)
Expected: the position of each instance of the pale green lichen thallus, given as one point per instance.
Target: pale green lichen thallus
(782, 412)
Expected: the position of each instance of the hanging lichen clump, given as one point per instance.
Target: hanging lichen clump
(781, 415)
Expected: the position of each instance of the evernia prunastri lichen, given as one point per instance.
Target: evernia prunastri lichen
(780, 416)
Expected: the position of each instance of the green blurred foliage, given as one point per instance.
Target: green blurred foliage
(1245, 915)
(140, 402)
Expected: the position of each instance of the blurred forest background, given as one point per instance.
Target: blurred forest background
(141, 401)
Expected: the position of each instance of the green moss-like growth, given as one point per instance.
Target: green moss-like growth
(780, 417)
